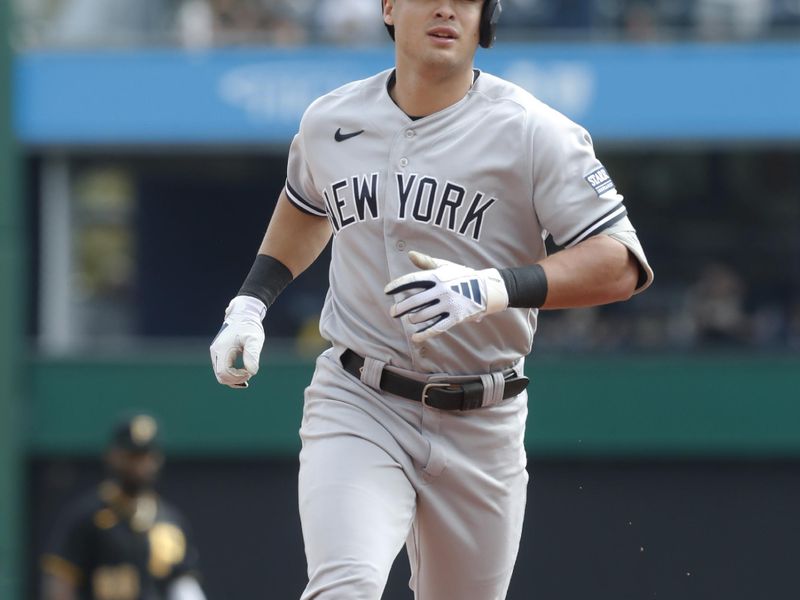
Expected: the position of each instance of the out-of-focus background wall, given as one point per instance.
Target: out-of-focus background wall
(142, 148)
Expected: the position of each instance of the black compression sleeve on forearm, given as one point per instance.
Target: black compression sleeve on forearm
(267, 278)
(526, 286)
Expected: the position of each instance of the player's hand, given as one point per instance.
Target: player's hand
(241, 334)
(445, 294)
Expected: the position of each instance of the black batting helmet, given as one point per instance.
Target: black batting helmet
(489, 19)
(138, 433)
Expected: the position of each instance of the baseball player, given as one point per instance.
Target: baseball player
(121, 541)
(439, 184)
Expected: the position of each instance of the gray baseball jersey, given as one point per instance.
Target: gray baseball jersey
(480, 183)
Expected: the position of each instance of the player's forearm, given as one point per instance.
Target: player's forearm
(293, 241)
(597, 271)
(295, 238)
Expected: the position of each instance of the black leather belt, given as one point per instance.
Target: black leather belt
(462, 395)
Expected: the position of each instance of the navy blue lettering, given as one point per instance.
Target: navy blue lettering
(340, 203)
(474, 216)
(405, 192)
(419, 214)
(366, 196)
(450, 205)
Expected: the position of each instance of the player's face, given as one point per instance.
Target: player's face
(435, 33)
(135, 471)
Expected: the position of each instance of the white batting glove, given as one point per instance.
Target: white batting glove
(241, 333)
(446, 294)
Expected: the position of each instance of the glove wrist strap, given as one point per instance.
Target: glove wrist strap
(496, 291)
(246, 306)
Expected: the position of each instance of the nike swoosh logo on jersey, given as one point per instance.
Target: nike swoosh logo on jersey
(340, 137)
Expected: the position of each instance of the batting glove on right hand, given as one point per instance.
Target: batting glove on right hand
(445, 294)
(241, 333)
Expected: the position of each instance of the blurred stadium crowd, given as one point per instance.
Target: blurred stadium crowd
(199, 23)
(715, 288)
(727, 266)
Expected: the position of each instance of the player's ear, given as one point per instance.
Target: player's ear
(388, 6)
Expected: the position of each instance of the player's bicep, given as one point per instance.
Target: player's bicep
(295, 237)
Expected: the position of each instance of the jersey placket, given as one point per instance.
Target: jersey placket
(398, 232)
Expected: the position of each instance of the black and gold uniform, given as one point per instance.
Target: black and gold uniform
(115, 548)
(122, 541)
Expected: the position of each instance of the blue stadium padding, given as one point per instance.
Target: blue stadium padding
(620, 92)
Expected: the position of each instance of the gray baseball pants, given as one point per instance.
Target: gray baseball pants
(378, 471)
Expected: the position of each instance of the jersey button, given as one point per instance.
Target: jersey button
(410, 133)
(404, 162)
(400, 245)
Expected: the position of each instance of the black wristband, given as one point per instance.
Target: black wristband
(526, 286)
(267, 278)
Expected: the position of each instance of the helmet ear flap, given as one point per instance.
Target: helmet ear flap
(489, 19)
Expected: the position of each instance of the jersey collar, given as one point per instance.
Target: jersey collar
(392, 80)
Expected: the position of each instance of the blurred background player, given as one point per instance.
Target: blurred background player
(121, 541)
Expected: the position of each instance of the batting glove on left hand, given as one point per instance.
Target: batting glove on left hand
(445, 294)
(241, 333)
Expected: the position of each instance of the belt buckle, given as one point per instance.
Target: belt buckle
(428, 386)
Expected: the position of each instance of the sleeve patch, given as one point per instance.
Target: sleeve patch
(600, 180)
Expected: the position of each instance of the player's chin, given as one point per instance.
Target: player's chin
(455, 54)
(445, 46)
(443, 57)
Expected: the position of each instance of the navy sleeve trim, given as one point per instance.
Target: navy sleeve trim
(607, 220)
(301, 203)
